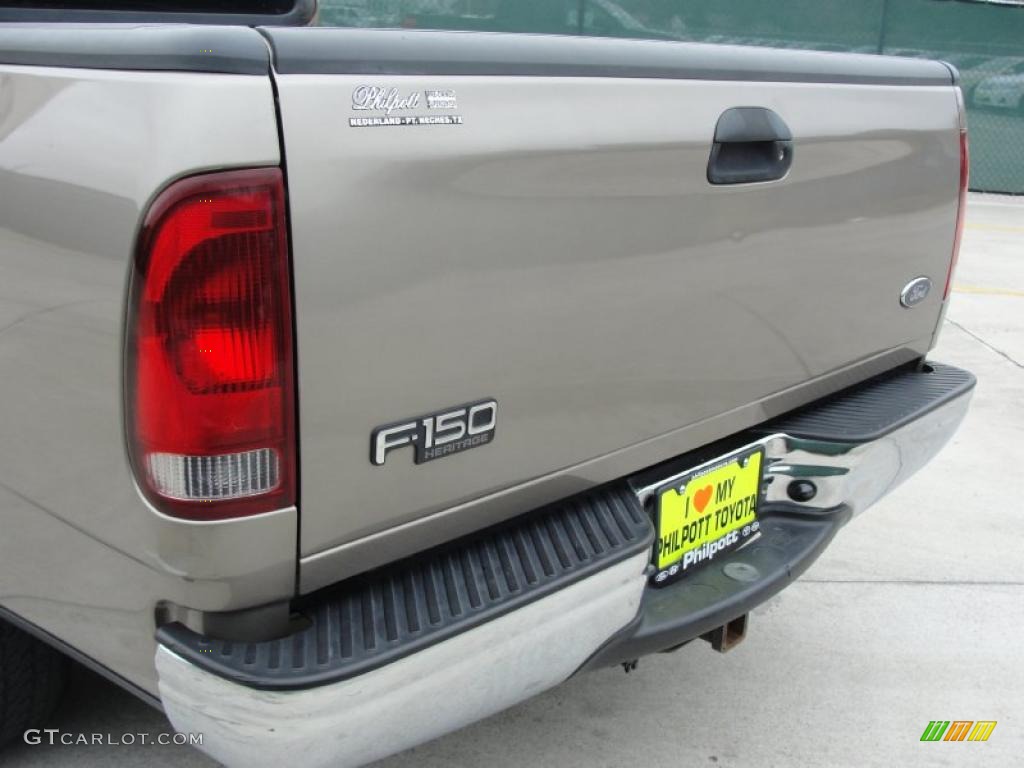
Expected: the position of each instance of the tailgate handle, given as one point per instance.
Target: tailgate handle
(751, 144)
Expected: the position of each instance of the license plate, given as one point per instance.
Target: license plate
(706, 513)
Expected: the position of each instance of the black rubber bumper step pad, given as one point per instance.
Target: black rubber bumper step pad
(877, 407)
(372, 620)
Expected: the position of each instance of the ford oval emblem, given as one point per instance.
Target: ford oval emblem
(915, 291)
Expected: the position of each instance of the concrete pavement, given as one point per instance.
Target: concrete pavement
(915, 613)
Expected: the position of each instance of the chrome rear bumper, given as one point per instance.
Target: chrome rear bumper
(412, 700)
(610, 616)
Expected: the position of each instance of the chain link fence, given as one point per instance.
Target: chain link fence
(983, 38)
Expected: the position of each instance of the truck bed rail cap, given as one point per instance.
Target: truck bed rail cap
(147, 47)
(429, 52)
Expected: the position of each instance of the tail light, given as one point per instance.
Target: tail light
(965, 172)
(210, 380)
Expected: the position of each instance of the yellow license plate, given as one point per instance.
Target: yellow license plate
(707, 513)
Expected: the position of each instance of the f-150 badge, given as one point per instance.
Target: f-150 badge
(439, 434)
(390, 102)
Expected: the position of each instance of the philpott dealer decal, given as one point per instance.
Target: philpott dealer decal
(392, 107)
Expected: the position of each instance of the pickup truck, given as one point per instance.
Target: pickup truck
(358, 384)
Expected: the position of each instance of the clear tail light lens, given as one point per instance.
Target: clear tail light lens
(210, 379)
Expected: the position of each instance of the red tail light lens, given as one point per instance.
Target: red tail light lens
(965, 173)
(211, 403)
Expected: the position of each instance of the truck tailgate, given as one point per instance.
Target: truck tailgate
(549, 238)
